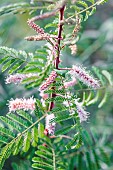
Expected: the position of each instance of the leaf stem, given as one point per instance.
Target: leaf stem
(26, 130)
(84, 10)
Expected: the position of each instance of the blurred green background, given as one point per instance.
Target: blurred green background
(95, 47)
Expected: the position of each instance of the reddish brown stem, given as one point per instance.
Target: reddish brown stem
(57, 60)
(61, 16)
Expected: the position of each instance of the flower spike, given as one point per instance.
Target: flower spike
(18, 78)
(49, 81)
(50, 127)
(35, 27)
(22, 103)
(82, 75)
(83, 115)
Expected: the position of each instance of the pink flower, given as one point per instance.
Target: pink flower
(22, 103)
(50, 126)
(44, 95)
(38, 37)
(49, 81)
(81, 74)
(35, 27)
(70, 83)
(18, 78)
(73, 49)
(83, 115)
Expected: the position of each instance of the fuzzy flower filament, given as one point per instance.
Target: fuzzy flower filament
(70, 83)
(49, 81)
(18, 78)
(44, 97)
(35, 27)
(83, 115)
(22, 103)
(82, 75)
(50, 126)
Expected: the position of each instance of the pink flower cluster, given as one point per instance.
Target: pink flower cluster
(70, 83)
(50, 127)
(22, 103)
(44, 97)
(83, 115)
(18, 78)
(81, 74)
(35, 27)
(49, 81)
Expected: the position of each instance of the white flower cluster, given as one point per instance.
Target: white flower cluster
(83, 115)
(81, 74)
(18, 78)
(22, 103)
(50, 126)
(49, 81)
(70, 83)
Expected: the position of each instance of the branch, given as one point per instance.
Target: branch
(57, 59)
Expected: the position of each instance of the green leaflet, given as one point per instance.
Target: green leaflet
(5, 153)
(59, 109)
(65, 130)
(18, 119)
(95, 99)
(11, 123)
(101, 2)
(57, 99)
(89, 163)
(7, 132)
(32, 69)
(46, 158)
(48, 150)
(3, 139)
(43, 154)
(40, 130)
(80, 162)
(15, 67)
(104, 155)
(22, 62)
(22, 141)
(72, 142)
(7, 65)
(97, 162)
(42, 166)
(18, 145)
(87, 140)
(26, 142)
(63, 117)
(104, 99)
(16, 8)
(108, 76)
(25, 115)
(34, 136)
(16, 57)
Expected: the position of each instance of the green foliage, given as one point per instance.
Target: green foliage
(25, 134)
(17, 8)
(86, 8)
(21, 62)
